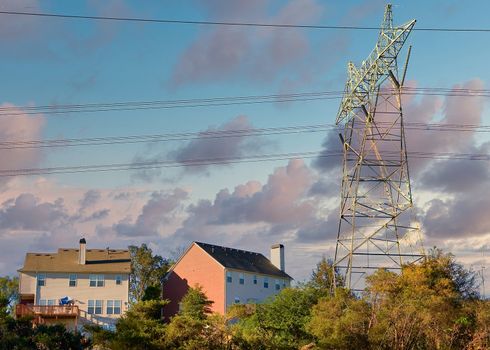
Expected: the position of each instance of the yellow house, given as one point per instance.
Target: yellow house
(75, 286)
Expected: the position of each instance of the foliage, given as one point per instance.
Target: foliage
(152, 293)
(428, 306)
(280, 323)
(322, 277)
(146, 270)
(195, 304)
(141, 327)
(195, 327)
(20, 335)
(432, 305)
(340, 322)
(8, 291)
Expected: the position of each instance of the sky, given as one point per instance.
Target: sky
(250, 205)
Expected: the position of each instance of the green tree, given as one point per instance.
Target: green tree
(9, 288)
(141, 327)
(426, 306)
(195, 304)
(322, 277)
(147, 270)
(194, 327)
(278, 323)
(340, 322)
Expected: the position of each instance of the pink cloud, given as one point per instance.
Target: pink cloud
(256, 52)
(19, 127)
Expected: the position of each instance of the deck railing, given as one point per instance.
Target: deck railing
(46, 311)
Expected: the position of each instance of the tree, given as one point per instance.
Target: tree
(426, 306)
(278, 323)
(195, 304)
(322, 277)
(9, 289)
(195, 327)
(141, 327)
(340, 322)
(19, 334)
(146, 270)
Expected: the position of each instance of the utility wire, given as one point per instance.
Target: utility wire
(6, 111)
(219, 134)
(228, 160)
(232, 24)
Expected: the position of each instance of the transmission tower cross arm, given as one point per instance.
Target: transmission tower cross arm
(363, 81)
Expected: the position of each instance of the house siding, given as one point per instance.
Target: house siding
(248, 292)
(57, 286)
(195, 267)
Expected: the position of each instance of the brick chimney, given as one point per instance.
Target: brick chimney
(82, 252)
(277, 256)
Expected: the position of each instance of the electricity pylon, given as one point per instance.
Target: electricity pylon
(376, 224)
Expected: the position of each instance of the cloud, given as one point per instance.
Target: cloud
(211, 147)
(97, 215)
(19, 127)
(90, 198)
(26, 212)
(331, 145)
(157, 211)
(258, 53)
(13, 27)
(280, 200)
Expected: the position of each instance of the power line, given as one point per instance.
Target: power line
(232, 24)
(218, 134)
(6, 111)
(225, 161)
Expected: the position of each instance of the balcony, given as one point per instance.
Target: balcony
(43, 312)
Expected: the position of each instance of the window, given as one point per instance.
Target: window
(51, 302)
(41, 279)
(113, 307)
(42, 302)
(283, 283)
(266, 282)
(94, 307)
(241, 279)
(278, 286)
(229, 279)
(118, 279)
(96, 280)
(73, 280)
(255, 279)
(237, 300)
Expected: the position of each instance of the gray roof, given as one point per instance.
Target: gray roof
(242, 260)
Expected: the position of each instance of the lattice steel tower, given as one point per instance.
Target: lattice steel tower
(376, 228)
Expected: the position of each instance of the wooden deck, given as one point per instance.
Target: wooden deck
(51, 311)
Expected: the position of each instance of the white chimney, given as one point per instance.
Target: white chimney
(277, 256)
(82, 252)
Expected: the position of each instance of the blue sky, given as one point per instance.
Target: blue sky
(61, 61)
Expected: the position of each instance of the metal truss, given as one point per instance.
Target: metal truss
(376, 228)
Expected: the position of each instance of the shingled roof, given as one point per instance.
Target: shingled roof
(242, 260)
(66, 260)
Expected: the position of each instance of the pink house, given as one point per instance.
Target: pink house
(227, 275)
